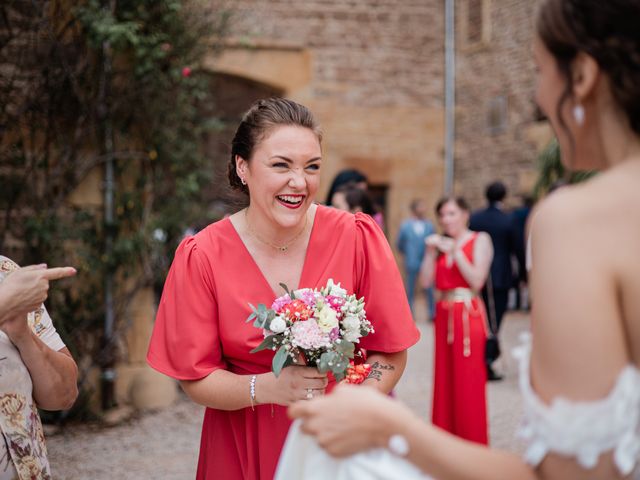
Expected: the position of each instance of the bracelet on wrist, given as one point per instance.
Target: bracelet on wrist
(252, 391)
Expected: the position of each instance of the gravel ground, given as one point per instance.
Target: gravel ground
(155, 445)
(164, 444)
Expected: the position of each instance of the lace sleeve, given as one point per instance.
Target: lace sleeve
(582, 430)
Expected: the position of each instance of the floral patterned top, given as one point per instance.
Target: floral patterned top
(23, 454)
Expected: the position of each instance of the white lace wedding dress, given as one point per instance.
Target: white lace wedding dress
(303, 459)
(582, 430)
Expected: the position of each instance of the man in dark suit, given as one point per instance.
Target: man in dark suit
(499, 226)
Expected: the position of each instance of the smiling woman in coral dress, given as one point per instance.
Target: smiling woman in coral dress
(201, 337)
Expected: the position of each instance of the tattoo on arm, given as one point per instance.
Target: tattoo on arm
(377, 369)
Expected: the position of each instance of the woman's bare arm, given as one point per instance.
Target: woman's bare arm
(476, 273)
(386, 369)
(428, 267)
(226, 390)
(353, 419)
(54, 374)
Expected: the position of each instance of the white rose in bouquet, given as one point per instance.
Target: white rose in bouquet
(327, 319)
(278, 325)
(352, 335)
(351, 323)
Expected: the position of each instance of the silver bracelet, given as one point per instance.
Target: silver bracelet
(252, 390)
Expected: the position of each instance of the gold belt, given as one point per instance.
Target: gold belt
(458, 295)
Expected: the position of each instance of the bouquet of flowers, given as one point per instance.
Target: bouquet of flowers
(317, 327)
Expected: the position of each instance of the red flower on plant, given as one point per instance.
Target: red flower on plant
(297, 310)
(186, 72)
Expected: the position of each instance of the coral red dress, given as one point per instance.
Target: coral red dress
(459, 390)
(200, 326)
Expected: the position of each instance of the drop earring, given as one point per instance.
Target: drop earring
(243, 181)
(578, 114)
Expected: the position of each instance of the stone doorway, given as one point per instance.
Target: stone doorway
(232, 97)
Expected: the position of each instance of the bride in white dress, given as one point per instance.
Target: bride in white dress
(580, 379)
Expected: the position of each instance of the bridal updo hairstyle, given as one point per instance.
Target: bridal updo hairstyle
(608, 31)
(262, 116)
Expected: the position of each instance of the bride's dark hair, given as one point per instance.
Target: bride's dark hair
(608, 31)
(255, 125)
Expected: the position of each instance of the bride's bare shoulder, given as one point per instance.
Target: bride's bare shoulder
(563, 210)
(604, 202)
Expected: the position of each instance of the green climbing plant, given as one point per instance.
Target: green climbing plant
(97, 81)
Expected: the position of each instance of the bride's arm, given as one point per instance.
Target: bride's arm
(444, 456)
(579, 345)
(353, 419)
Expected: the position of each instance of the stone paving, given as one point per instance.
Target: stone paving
(164, 444)
(415, 387)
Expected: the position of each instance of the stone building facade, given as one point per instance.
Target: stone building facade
(371, 70)
(499, 131)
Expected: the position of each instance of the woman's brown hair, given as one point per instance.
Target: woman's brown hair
(459, 201)
(262, 116)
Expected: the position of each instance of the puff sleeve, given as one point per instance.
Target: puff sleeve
(379, 282)
(185, 343)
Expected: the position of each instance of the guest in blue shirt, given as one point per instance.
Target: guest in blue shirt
(411, 237)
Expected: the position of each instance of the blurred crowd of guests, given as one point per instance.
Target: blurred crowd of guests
(471, 268)
(506, 228)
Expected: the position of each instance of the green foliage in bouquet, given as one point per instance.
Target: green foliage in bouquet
(262, 317)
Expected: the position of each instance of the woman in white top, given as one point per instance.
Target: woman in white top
(36, 369)
(581, 383)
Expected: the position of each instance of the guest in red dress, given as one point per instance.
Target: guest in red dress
(201, 337)
(458, 264)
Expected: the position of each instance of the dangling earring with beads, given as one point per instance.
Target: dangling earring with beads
(578, 114)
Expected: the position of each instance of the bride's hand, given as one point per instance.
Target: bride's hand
(351, 419)
(294, 383)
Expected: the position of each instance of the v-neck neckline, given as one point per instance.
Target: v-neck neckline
(305, 268)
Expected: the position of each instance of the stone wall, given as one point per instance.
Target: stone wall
(497, 132)
(375, 80)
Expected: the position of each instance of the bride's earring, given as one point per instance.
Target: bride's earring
(578, 114)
